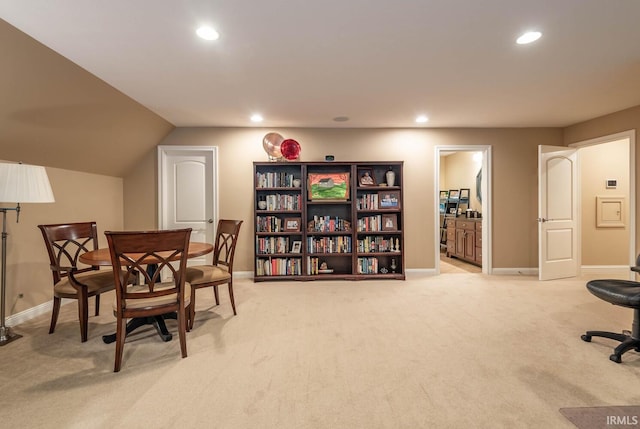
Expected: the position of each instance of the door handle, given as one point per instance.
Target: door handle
(541, 219)
(210, 221)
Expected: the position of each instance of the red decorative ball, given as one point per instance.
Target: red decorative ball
(290, 149)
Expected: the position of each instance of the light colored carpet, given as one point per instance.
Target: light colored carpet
(452, 351)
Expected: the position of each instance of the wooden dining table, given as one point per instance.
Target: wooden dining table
(102, 257)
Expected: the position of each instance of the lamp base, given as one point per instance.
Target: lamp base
(6, 336)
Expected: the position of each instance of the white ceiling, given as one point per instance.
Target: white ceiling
(378, 62)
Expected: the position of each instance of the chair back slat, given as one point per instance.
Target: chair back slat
(133, 252)
(65, 243)
(225, 242)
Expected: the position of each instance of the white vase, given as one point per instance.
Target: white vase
(391, 177)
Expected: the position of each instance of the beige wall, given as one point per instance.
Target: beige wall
(604, 246)
(514, 180)
(79, 197)
(460, 170)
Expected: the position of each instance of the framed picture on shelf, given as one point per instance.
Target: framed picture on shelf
(464, 193)
(444, 194)
(292, 224)
(389, 222)
(389, 199)
(454, 193)
(296, 247)
(366, 177)
(328, 186)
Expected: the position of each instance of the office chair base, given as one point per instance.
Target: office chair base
(627, 342)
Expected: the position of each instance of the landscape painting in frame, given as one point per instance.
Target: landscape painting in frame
(328, 186)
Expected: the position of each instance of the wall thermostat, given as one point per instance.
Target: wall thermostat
(612, 183)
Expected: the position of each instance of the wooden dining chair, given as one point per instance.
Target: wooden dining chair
(131, 253)
(65, 243)
(221, 271)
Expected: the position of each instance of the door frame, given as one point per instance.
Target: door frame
(631, 136)
(487, 263)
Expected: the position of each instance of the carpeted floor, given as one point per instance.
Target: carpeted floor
(452, 351)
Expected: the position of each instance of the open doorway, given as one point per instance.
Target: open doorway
(463, 192)
(607, 179)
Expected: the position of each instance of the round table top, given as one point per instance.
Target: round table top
(103, 257)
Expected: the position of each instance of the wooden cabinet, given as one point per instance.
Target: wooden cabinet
(464, 240)
(328, 220)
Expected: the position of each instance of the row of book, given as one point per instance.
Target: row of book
(278, 267)
(283, 202)
(271, 245)
(368, 265)
(378, 244)
(367, 202)
(328, 224)
(269, 224)
(280, 179)
(370, 223)
(339, 244)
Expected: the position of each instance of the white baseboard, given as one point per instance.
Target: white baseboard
(33, 312)
(515, 271)
(611, 270)
(414, 273)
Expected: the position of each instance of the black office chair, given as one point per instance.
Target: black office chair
(625, 293)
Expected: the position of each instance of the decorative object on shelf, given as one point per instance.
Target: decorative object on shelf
(328, 186)
(389, 222)
(390, 175)
(292, 224)
(393, 265)
(290, 149)
(397, 245)
(19, 183)
(389, 199)
(296, 247)
(271, 143)
(297, 183)
(384, 270)
(262, 202)
(366, 177)
(324, 269)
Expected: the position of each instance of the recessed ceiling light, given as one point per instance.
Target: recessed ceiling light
(207, 33)
(528, 37)
(256, 118)
(422, 119)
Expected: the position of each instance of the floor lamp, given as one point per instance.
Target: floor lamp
(19, 183)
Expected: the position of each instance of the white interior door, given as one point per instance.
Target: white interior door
(187, 195)
(557, 212)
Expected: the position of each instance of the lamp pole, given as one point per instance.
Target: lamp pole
(6, 336)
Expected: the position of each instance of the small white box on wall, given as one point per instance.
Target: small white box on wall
(610, 212)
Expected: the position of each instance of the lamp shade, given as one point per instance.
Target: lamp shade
(22, 183)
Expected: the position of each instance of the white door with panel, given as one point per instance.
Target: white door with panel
(187, 192)
(558, 212)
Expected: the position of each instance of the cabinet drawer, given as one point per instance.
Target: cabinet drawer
(451, 234)
(465, 224)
